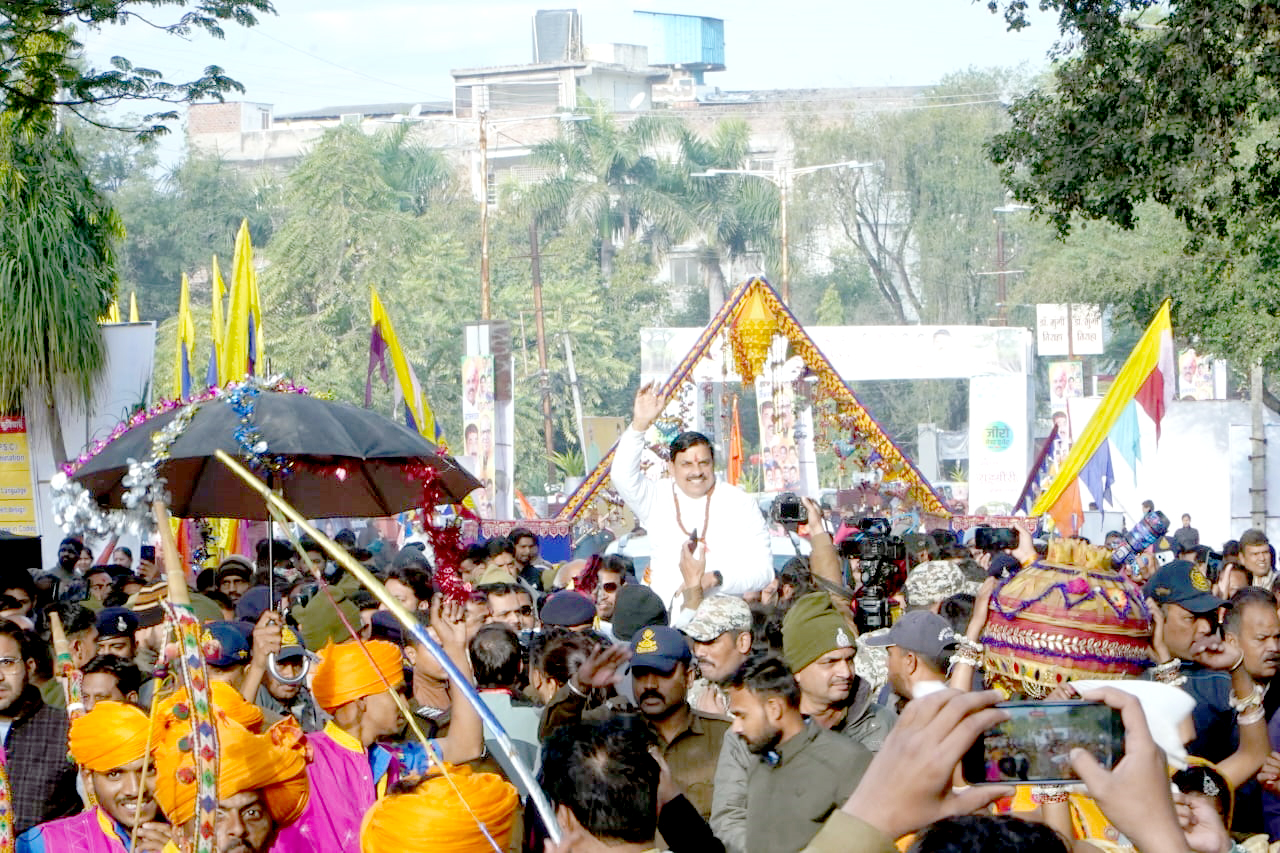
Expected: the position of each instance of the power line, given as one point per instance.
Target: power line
(319, 58)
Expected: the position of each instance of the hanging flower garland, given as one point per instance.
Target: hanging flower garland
(446, 538)
(76, 510)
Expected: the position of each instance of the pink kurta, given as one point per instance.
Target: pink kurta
(342, 790)
(86, 832)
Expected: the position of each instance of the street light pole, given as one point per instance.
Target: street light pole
(781, 178)
(782, 204)
(484, 220)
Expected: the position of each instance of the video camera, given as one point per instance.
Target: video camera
(878, 551)
(788, 509)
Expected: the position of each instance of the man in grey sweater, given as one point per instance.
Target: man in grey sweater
(802, 772)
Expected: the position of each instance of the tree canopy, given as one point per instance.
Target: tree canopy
(40, 50)
(1176, 104)
(57, 269)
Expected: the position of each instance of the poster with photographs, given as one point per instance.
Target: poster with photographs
(1066, 382)
(477, 428)
(779, 455)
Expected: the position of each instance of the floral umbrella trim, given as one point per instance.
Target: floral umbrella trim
(76, 510)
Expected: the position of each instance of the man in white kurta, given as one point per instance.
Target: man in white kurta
(733, 538)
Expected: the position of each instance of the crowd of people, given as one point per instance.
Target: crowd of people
(701, 702)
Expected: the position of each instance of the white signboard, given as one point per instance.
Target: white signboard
(998, 442)
(1053, 330)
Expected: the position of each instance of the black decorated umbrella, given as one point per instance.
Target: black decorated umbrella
(327, 458)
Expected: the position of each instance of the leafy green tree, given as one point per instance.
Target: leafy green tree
(177, 222)
(728, 216)
(1171, 103)
(40, 48)
(604, 174)
(601, 319)
(57, 268)
(352, 224)
(921, 217)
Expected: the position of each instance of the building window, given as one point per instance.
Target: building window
(686, 271)
(462, 101)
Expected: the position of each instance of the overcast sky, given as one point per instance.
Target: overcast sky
(315, 53)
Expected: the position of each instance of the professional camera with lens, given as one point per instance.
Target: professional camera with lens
(787, 508)
(878, 552)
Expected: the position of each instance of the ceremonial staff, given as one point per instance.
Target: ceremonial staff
(456, 677)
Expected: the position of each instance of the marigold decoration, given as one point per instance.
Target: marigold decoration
(750, 336)
(1068, 617)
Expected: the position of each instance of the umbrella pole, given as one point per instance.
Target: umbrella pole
(420, 636)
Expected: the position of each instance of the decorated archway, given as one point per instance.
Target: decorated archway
(748, 324)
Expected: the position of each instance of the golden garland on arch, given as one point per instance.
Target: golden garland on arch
(752, 325)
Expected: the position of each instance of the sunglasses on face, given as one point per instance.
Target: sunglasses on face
(609, 587)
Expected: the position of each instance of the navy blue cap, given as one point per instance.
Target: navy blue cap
(384, 626)
(225, 643)
(116, 622)
(291, 645)
(568, 609)
(250, 606)
(659, 647)
(921, 631)
(1185, 584)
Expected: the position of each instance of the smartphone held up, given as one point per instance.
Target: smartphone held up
(1034, 745)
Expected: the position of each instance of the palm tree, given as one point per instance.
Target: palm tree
(604, 175)
(57, 269)
(727, 216)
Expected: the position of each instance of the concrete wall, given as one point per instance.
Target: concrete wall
(1202, 468)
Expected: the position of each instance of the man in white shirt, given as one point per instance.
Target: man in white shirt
(691, 505)
(920, 646)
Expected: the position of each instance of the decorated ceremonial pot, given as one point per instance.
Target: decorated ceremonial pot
(1054, 622)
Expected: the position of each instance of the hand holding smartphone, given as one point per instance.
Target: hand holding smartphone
(1034, 745)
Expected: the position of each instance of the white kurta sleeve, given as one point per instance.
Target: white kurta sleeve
(751, 568)
(634, 487)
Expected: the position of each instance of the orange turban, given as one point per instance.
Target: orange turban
(225, 698)
(273, 763)
(112, 735)
(346, 674)
(432, 818)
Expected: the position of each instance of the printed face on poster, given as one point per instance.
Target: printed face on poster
(1195, 376)
(787, 459)
(477, 428)
(1066, 382)
(779, 455)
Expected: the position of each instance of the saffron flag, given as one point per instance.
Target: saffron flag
(242, 343)
(1140, 396)
(133, 307)
(383, 344)
(213, 375)
(186, 344)
(734, 474)
(113, 313)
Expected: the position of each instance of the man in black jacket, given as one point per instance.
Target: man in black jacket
(42, 781)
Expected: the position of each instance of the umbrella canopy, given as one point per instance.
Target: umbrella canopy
(343, 460)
